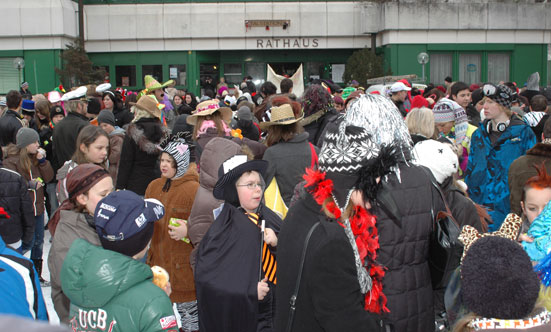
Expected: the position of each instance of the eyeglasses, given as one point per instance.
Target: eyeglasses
(252, 185)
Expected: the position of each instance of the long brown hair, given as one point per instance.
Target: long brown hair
(87, 136)
(283, 133)
(216, 117)
(26, 160)
(43, 107)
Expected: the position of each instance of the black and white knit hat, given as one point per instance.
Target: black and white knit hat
(501, 94)
(345, 150)
(179, 150)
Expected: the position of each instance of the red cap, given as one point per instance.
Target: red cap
(418, 102)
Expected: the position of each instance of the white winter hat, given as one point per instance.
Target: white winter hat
(438, 157)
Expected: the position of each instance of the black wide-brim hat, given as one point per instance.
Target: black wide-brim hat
(225, 186)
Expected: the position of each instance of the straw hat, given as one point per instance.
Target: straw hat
(148, 104)
(209, 107)
(152, 84)
(281, 115)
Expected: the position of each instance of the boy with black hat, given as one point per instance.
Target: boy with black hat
(110, 289)
(235, 273)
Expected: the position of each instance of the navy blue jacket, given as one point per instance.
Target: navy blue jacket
(488, 168)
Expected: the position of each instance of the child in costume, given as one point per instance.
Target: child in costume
(170, 247)
(235, 273)
(109, 288)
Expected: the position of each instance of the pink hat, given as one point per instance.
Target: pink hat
(222, 89)
(54, 97)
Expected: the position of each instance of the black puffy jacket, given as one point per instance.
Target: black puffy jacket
(329, 298)
(65, 138)
(10, 123)
(14, 198)
(138, 165)
(404, 248)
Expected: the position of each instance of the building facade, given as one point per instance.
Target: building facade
(473, 41)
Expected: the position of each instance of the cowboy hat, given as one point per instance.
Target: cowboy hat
(281, 115)
(149, 104)
(152, 84)
(231, 170)
(207, 108)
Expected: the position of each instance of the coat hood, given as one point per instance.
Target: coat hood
(216, 151)
(93, 276)
(65, 169)
(117, 131)
(147, 134)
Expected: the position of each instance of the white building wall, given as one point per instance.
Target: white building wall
(37, 24)
(221, 26)
(50, 24)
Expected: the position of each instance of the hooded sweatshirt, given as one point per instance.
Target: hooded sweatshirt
(113, 292)
(216, 152)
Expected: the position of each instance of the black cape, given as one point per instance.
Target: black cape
(227, 271)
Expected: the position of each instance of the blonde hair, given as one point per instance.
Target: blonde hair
(420, 121)
(347, 213)
(505, 110)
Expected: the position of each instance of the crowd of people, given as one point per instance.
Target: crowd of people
(407, 209)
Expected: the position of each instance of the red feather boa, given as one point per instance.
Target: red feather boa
(364, 230)
(4, 213)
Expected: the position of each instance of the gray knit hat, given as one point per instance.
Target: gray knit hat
(26, 136)
(106, 116)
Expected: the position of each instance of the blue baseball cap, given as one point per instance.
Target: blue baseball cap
(124, 221)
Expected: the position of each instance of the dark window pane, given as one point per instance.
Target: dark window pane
(125, 75)
(232, 73)
(154, 70)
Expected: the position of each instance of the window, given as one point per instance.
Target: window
(314, 70)
(232, 73)
(9, 76)
(498, 67)
(469, 68)
(337, 71)
(440, 67)
(106, 70)
(125, 75)
(154, 70)
(257, 71)
(177, 73)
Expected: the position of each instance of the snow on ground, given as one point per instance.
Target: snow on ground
(47, 291)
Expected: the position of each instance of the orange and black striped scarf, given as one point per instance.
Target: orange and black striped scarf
(269, 264)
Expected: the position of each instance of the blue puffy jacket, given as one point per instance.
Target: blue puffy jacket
(488, 168)
(20, 292)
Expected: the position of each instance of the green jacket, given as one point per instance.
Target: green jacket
(112, 292)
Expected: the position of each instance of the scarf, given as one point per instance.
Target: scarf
(363, 235)
(79, 181)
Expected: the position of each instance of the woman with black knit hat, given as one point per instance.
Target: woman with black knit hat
(235, 272)
(404, 220)
(170, 246)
